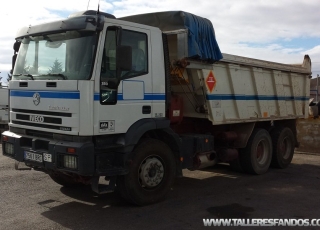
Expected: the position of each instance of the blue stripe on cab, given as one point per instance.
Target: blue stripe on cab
(46, 94)
(147, 97)
(96, 97)
(155, 97)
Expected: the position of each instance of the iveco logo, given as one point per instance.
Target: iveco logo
(36, 98)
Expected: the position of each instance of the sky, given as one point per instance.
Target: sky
(274, 30)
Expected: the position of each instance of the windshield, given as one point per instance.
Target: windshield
(66, 56)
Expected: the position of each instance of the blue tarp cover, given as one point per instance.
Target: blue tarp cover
(202, 43)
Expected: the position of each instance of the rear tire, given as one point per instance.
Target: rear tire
(256, 156)
(151, 173)
(283, 142)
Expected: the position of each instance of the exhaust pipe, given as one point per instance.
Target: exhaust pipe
(203, 160)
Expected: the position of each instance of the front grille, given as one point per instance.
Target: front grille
(41, 125)
(53, 120)
(58, 114)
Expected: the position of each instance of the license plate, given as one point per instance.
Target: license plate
(47, 157)
(33, 156)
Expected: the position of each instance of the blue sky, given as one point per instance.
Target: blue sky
(301, 43)
(281, 31)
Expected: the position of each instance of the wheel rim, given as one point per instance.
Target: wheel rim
(151, 172)
(262, 152)
(285, 148)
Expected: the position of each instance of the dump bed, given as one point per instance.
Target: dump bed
(238, 89)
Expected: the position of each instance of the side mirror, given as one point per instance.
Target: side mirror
(113, 83)
(14, 58)
(16, 47)
(124, 58)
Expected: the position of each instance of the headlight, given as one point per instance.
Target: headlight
(70, 162)
(8, 148)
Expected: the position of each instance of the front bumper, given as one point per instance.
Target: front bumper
(50, 154)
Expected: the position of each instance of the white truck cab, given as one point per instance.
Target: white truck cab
(81, 88)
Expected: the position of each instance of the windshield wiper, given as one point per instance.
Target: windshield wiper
(64, 77)
(27, 75)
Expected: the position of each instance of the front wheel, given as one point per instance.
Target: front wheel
(151, 173)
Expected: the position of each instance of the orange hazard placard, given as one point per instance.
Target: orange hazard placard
(211, 81)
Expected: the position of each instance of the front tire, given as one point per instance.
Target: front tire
(256, 156)
(151, 173)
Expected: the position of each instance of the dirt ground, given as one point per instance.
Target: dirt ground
(31, 200)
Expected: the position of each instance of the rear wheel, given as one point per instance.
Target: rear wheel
(256, 157)
(151, 173)
(283, 142)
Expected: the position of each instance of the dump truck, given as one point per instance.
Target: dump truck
(135, 100)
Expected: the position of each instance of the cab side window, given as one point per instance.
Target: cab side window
(108, 65)
(138, 43)
(108, 68)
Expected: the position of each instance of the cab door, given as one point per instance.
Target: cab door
(120, 107)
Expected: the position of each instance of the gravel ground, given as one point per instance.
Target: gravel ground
(31, 200)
